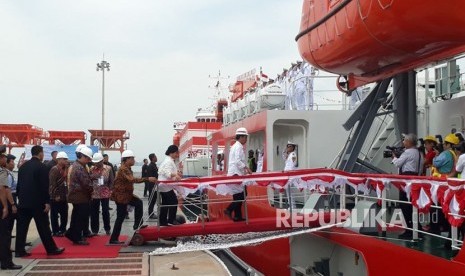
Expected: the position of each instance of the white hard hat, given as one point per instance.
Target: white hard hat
(242, 131)
(86, 151)
(220, 152)
(291, 143)
(62, 155)
(97, 157)
(127, 153)
(79, 147)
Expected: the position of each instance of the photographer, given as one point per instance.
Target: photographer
(410, 162)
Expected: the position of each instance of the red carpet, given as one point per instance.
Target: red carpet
(96, 249)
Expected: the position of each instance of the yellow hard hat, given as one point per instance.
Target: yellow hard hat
(430, 138)
(452, 138)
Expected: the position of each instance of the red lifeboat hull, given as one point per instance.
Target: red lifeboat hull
(371, 40)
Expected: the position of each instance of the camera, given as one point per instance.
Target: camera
(393, 151)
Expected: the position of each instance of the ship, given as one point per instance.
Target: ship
(193, 137)
(408, 61)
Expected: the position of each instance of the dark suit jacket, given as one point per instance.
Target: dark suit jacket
(33, 184)
(152, 170)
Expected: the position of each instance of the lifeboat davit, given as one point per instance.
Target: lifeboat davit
(371, 40)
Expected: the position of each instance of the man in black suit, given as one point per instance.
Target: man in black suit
(34, 202)
(144, 174)
(152, 171)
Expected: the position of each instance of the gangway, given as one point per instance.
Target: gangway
(153, 233)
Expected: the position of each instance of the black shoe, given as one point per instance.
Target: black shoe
(57, 251)
(11, 266)
(238, 219)
(28, 244)
(108, 232)
(115, 242)
(153, 216)
(127, 216)
(228, 214)
(174, 223)
(90, 235)
(110, 209)
(68, 236)
(22, 254)
(81, 242)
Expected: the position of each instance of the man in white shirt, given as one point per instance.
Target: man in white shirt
(237, 165)
(410, 162)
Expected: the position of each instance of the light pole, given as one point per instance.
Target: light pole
(101, 67)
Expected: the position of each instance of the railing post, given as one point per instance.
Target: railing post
(290, 198)
(201, 210)
(415, 222)
(158, 206)
(245, 207)
(343, 197)
(383, 209)
(280, 200)
(454, 236)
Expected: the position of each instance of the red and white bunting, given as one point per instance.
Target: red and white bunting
(422, 191)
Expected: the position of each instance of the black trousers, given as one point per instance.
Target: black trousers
(407, 209)
(236, 205)
(152, 197)
(94, 214)
(5, 241)
(42, 224)
(121, 211)
(168, 213)
(58, 212)
(147, 188)
(79, 221)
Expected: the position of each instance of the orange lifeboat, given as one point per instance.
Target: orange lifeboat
(371, 40)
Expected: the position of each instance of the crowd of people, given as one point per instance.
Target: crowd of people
(434, 157)
(44, 190)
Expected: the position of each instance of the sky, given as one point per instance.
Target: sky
(160, 53)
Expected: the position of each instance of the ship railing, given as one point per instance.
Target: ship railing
(455, 242)
(291, 196)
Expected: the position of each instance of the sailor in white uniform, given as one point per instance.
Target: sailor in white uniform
(290, 159)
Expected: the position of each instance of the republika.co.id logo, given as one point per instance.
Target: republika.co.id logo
(345, 218)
